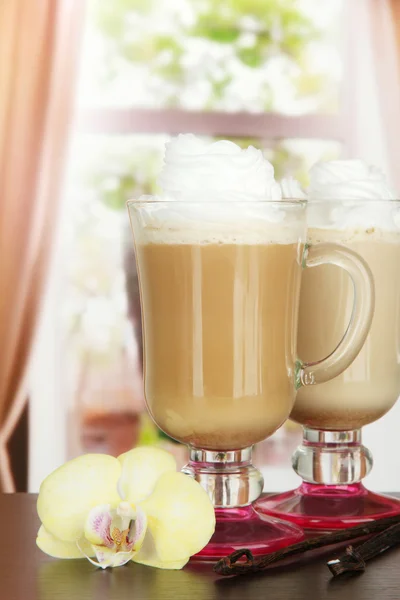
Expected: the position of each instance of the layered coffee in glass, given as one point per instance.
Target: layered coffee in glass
(220, 258)
(351, 204)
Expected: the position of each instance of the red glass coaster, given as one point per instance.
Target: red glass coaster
(243, 527)
(328, 507)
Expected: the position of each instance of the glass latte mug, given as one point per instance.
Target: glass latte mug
(332, 461)
(220, 288)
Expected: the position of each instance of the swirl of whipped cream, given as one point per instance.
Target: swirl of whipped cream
(348, 180)
(291, 189)
(200, 170)
(350, 195)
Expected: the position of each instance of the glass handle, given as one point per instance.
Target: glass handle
(361, 316)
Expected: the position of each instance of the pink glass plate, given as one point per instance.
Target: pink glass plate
(242, 527)
(328, 507)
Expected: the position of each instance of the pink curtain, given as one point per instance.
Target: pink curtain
(38, 52)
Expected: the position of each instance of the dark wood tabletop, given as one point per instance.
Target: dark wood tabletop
(26, 573)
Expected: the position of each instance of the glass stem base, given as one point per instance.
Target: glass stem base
(332, 457)
(229, 478)
(243, 527)
(331, 464)
(233, 483)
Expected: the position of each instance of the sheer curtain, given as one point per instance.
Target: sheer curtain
(373, 83)
(38, 46)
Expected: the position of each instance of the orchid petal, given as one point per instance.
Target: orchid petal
(148, 556)
(106, 557)
(58, 549)
(141, 468)
(180, 517)
(69, 493)
(97, 526)
(137, 532)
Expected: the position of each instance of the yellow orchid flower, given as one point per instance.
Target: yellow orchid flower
(134, 507)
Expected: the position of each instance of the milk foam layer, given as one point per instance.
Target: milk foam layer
(178, 223)
(219, 193)
(350, 236)
(347, 194)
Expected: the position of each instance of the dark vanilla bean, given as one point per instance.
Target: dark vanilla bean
(355, 559)
(230, 565)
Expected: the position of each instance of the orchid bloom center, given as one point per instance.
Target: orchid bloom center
(122, 527)
(115, 534)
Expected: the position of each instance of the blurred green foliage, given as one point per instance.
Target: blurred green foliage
(123, 171)
(158, 34)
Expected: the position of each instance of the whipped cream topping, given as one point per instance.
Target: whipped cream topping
(350, 195)
(199, 170)
(291, 189)
(348, 180)
(217, 192)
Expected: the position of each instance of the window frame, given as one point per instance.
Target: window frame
(128, 121)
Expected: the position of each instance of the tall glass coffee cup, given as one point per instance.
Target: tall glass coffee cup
(220, 291)
(332, 461)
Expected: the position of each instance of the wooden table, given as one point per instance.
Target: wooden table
(26, 573)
